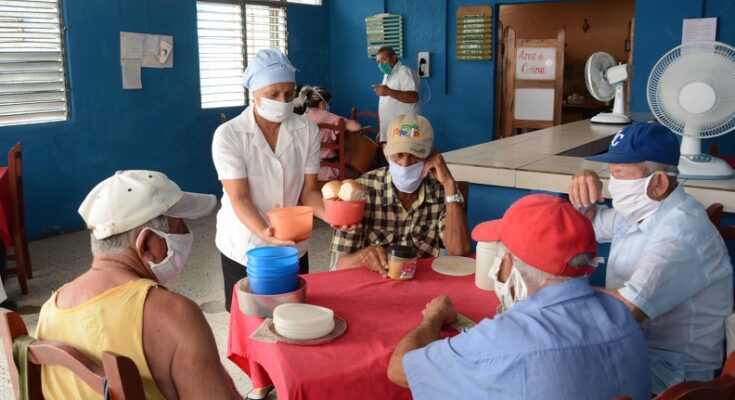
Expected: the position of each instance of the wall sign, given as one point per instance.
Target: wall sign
(474, 33)
(536, 63)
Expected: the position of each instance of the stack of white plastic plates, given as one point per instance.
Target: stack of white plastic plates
(303, 321)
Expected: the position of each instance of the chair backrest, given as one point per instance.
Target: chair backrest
(15, 171)
(721, 388)
(339, 147)
(373, 128)
(360, 152)
(714, 212)
(121, 373)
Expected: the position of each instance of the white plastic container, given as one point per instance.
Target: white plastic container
(303, 321)
(484, 258)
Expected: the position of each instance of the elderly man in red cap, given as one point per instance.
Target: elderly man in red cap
(556, 338)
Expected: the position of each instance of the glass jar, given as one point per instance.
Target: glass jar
(401, 262)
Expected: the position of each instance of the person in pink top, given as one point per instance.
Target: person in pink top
(316, 101)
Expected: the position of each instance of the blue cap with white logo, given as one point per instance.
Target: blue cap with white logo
(643, 141)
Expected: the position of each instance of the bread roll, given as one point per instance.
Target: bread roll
(330, 190)
(351, 191)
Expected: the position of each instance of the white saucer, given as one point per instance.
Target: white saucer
(454, 265)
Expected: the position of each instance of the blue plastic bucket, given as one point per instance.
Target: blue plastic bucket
(268, 286)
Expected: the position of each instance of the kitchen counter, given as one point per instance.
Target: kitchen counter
(547, 159)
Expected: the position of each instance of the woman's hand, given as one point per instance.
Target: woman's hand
(268, 235)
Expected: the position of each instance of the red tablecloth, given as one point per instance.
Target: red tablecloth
(5, 206)
(378, 311)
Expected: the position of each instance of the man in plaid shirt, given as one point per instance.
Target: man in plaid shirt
(413, 202)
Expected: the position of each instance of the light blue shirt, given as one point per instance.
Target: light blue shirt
(565, 341)
(674, 267)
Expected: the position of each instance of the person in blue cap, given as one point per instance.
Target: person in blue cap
(667, 262)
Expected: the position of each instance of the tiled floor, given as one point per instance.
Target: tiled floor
(59, 259)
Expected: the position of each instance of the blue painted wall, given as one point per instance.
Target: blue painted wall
(463, 93)
(161, 127)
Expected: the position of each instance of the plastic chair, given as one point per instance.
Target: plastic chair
(340, 163)
(120, 372)
(374, 128)
(19, 242)
(721, 388)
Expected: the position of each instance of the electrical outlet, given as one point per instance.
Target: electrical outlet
(423, 64)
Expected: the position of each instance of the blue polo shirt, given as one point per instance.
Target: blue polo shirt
(565, 341)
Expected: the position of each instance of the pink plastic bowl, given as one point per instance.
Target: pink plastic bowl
(292, 223)
(344, 212)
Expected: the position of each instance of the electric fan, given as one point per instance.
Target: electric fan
(691, 90)
(605, 81)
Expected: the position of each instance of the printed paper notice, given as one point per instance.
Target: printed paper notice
(698, 29)
(131, 74)
(131, 45)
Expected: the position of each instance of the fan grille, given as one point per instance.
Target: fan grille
(595, 73)
(711, 63)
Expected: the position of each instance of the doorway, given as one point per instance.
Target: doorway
(589, 26)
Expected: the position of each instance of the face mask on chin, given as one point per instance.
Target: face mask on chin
(630, 198)
(406, 179)
(179, 247)
(503, 289)
(273, 110)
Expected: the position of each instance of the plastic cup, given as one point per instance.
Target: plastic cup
(401, 262)
(484, 258)
(292, 223)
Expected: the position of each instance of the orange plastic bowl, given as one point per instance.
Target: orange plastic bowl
(344, 212)
(292, 223)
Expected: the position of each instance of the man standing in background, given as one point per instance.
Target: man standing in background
(399, 92)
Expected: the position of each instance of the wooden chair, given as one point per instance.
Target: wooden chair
(372, 129)
(20, 254)
(714, 212)
(340, 163)
(360, 152)
(120, 372)
(721, 388)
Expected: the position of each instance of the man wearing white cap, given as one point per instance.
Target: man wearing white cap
(414, 202)
(139, 241)
(265, 157)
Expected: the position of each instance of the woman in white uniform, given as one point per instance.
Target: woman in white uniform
(265, 158)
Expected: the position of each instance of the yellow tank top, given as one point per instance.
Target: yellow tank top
(112, 321)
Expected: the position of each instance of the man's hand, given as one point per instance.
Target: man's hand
(267, 235)
(375, 259)
(436, 165)
(346, 228)
(382, 90)
(585, 189)
(440, 309)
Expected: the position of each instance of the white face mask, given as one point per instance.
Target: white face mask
(630, 198)
(273, 110)
(406, 179)
(179, 247)
(503, 289)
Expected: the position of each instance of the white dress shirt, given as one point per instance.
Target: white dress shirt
(401, 78)
(239, 150)
(674, 267)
